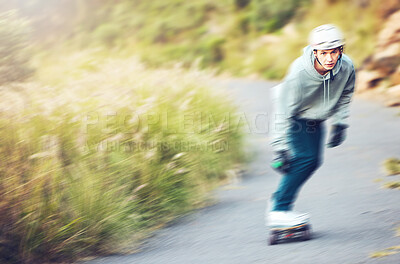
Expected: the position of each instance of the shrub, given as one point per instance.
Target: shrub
(92, 162)
(270, 15)
(107, 34)
(212, 50)
(242, 3)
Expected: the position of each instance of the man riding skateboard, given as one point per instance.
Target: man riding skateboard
(318, 86)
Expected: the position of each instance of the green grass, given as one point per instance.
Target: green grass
(392, 166)
(392, 185)
(221, 36)
(100, 151)
(258, 37)
(381, 254)
(387, 252)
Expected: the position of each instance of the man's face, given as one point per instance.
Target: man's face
(328, 58)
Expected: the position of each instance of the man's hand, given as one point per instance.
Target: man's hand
(281, 162)
(338, 135)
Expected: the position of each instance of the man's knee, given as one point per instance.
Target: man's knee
(310, 163)
(314, 163)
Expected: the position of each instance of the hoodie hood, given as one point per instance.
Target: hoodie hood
(306, 94)
(308, 64)
(308, 59)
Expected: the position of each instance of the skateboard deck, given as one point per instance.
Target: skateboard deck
(300, 232)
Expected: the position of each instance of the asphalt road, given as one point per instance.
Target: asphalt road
(351, 215)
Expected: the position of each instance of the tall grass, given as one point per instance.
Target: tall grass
(101, 149)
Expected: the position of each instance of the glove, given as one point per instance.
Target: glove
(281, 162)
(338, 135)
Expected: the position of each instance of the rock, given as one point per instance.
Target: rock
(393, 96)
(386, 65)
(394, 91)
(368, 80)
(395, 77)
(389, 51)
(388, 7)
(390, 34)
(393, 103)
(382, 69)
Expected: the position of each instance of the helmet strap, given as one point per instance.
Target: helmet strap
(340, 56)
(319, 61)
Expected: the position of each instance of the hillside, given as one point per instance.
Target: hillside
(242, 37)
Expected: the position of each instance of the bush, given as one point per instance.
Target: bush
(270, 15)
(92, 162)
(243, 22)
(107, 34)
(14, 48)
(242, 3)
(211, 48)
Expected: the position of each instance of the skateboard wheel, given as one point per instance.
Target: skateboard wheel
(306, 235)
(273, 239)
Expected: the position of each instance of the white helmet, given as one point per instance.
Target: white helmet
(326, 37)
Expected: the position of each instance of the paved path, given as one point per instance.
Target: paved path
(351, 215)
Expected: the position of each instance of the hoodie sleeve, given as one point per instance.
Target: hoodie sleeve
(285, 99)
(342, 108)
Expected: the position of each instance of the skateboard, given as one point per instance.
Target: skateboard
(300, 232)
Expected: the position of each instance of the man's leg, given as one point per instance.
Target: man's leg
(306, 146)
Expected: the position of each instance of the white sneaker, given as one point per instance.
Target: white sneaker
(287, 218)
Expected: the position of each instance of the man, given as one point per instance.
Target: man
(318, 86)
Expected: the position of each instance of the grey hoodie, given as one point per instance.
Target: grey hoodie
(306, 94)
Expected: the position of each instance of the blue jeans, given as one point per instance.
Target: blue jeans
(305, 140)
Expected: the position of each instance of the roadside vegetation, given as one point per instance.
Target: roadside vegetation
(392, 168)
(98, 150)
(100, 157)
(387, 252)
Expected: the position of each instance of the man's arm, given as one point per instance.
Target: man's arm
(285, 98)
